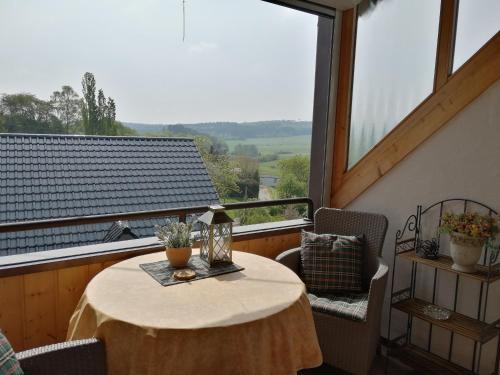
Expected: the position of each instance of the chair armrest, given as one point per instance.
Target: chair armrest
(291, 259)
(377, 290)
(80, 357)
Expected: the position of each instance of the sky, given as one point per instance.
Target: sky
(244, 60)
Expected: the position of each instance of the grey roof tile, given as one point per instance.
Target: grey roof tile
(52, 176)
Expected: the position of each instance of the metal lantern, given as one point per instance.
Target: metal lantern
(216, 230)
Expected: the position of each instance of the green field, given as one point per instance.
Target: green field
(268, 168)
(285, 147)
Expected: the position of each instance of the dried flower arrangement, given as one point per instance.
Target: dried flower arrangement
(470, 223)
(174, 235)
(473, 225)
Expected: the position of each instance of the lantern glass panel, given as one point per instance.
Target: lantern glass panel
(216, 229)
(205, 241)
(222, 242)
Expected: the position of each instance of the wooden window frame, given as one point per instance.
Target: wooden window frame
(451, 93)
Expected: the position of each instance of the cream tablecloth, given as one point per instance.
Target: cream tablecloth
(256, 322)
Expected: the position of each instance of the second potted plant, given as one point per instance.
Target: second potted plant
(177, 240)
(469, 232)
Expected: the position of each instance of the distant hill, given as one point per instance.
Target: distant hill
(233, 130)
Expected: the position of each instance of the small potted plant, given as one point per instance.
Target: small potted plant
(469, 232)
(177, 240)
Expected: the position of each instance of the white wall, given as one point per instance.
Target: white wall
(461, 160)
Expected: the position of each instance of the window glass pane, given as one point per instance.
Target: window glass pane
(237, 76)
(393, 69)
(478, 21)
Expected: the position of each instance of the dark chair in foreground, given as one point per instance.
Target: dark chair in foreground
(82, 357)
(348, 326)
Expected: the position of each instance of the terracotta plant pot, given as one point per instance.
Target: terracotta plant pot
(465, 251)
(179, 257)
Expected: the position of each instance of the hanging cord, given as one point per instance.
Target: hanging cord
(183, 20)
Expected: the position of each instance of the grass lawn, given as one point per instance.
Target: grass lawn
(269, 168)
(298, 144)
(285, 147)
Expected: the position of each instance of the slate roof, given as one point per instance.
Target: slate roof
(54, 176)
(119, 231)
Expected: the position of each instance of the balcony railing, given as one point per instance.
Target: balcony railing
(181, 212)
(11, 265)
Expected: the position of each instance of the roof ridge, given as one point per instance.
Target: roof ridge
(84, 136)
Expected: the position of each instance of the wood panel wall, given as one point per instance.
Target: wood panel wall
(35, 308)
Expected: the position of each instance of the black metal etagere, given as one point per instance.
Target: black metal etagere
(419, 227)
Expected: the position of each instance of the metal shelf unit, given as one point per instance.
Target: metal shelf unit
(404, 300)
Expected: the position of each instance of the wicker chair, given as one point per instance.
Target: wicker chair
(81, 357)
(349, 344)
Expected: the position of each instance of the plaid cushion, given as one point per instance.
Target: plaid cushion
(331, 263)
(9, 365)
(350, 306)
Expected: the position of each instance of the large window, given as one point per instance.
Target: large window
(237, 76)
(393, 68)
(478, 21)
(240, 74)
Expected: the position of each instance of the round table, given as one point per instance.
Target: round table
(256, 321)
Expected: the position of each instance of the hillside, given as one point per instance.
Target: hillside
(234, 130)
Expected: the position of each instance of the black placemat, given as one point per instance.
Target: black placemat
(163, 272)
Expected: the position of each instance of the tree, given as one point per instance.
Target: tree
(254, 216)
(219, 167)
(121, 129)
(99, 117)
(102, 114)
(218, 146)
(25, 113)
(246, 150)
(67, 105)
(294, 177)
(289, 187)
(111, 109)
(3, 129)
(112, 126)
(90, 113)
(106, 110)
(297, 166)
(65, 112)
(247, 170)
(19, 105)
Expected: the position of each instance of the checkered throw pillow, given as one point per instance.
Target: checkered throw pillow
(9, 365)
(331, 263)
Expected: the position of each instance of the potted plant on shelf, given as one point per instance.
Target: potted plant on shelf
(177, 240)
(469, 232)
